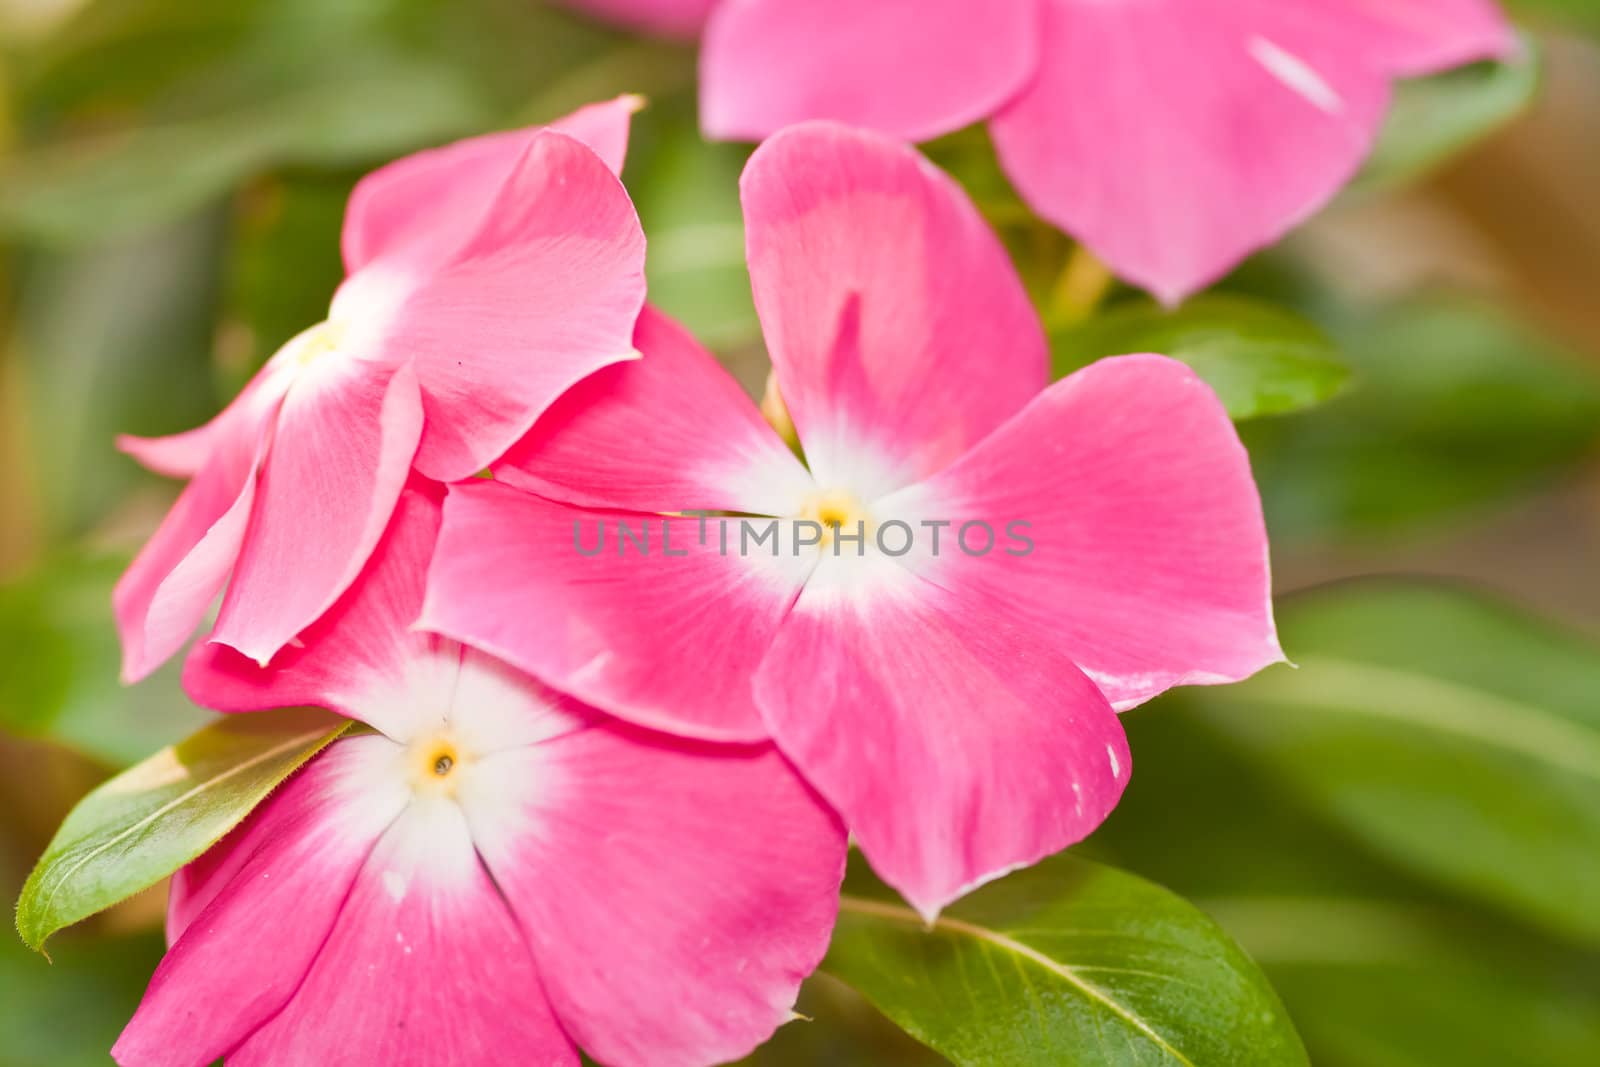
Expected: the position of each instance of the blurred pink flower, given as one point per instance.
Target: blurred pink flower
(957, 709)
(494, 875)
(484, 279)
(1173, 137)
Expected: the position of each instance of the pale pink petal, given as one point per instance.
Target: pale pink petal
(675, 894)
(897, 325)
(666, 639)
(673, 18)
(242, 958)
(424, 207)
(179, 455)
(669, 432)
(425, 967)
(1175, 137)
(957, 743)
(546, 293)
(340, 455)
(171, 583)
(363, 641)
(914, 69)
(1148, 563)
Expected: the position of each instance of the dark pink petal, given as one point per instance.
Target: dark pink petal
(669, 432)
(674, 894)
(897, 325)
(546, 293)
(673, 18)
(665, 640)
(244, 956)
(362, 643)
(1149, 558)
(911, 68)
(340, 454)
(1175, 137)
(425, 967)
(424, 207)
(957, 743)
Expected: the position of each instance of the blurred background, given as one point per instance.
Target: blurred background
(1405, 832)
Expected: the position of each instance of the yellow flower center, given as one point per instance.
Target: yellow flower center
(317, 341)
(436, 764)
(837, 511)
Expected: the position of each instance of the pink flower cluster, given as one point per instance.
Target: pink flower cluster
(605, 796)
(1172, 137)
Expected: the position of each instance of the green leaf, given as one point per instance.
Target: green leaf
(1457, 407)
(1457, 737)
(1435, 118)
(155, 817)
(1378, 968)
(63, 655)
(1261, 360)
(1070, 962)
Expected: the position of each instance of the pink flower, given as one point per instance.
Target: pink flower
(1173, 137)
(495, 874)
(956, 708)
(484, 279)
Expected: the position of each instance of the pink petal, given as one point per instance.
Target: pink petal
(1411, 37)
(362, 642)
(669, 432)
(545, 294)
(667, 641)
(1175, 137)
(957, 744)
(1149, 566)
(425, 967)
(425, 206)
(896, 323)
(340, 455)
(179, 455)
(912, 68)
(673, 18)
(246, 953)
(675, 894)
(170, 585)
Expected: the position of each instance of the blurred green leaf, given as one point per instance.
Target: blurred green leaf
(1433, 119)
(135, 113)
(1375, 984)
(153, 818)
(687, 194)
(1069, 962)
(1378, 968)
(1457, 737)
(60, 680)
(67, 1013)
(1261, 360)
(114, 337)
(1456, 406)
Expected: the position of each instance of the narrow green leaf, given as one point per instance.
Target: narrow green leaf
(155, 817)
(1456, 736)
(1261, 360)
(1435, 118)
(1067, 963)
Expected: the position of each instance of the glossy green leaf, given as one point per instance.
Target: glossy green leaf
(1261, 360)
(155, 817)
(1069, 962)
(1457, 737)
(1435, 118)
(63, 655)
